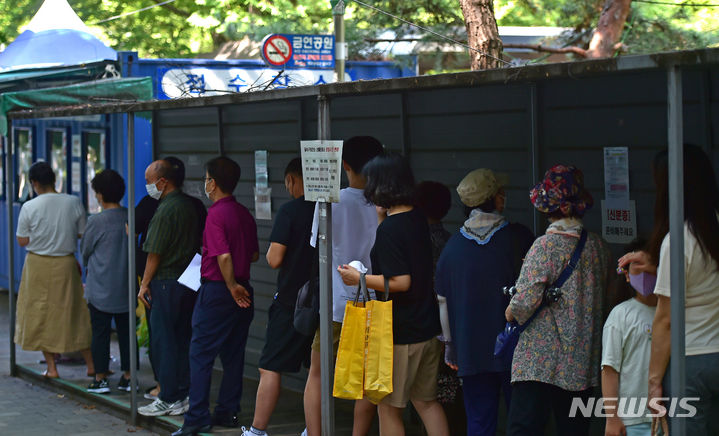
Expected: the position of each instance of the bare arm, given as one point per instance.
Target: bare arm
(351, 276)
(610, 392)
(153, 262)
(661, 346)
(276, 254)
(239, 293)
(23, 241)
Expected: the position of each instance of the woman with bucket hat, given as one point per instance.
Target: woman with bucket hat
(558, 354)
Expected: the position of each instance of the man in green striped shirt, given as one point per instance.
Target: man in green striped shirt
(172, 241)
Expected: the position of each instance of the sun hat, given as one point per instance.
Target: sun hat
(479, 186)
(562, 189)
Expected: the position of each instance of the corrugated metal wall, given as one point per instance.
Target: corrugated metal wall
(520, 129)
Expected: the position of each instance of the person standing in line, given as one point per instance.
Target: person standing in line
(558, 356)
(224, 308)
(106, 279)
(171, 244)
(144, 211)
(285, 348)
(477, 262)
(402, 253)
(354, 224)
(701, 256)
(52, 315)
(434, 200)
(626, 346)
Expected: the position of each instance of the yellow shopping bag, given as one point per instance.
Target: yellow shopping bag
(350, 364)
(380, 349)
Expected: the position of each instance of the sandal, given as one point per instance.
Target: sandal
(46, 375)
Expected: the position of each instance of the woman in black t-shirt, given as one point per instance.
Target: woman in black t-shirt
(403, 253)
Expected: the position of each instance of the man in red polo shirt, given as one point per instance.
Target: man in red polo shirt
(224, 307)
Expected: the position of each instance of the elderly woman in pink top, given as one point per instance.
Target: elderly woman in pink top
(558, 355)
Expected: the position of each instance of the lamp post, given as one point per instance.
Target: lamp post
(338, 13)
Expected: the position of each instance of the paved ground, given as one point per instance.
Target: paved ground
(27, 409)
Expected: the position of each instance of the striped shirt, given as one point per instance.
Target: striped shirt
(173, 235)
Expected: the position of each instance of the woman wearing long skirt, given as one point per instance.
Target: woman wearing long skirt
(52, 315)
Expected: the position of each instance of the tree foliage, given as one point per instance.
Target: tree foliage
(184, 28)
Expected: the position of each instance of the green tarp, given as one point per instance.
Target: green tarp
(95, 92)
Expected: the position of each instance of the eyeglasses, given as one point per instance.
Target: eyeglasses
(208, 178)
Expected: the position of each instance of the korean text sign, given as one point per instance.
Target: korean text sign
(321, 170)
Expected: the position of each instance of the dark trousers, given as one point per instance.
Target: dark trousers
(531, 405)
(702, 382)
(481, 401)
(101, 329)
(171, 319)
(219, 326)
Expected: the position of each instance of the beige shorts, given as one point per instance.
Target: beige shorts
(336, 330)
(414, 373)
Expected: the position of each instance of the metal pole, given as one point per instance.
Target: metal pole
(324, 241)
(9, 203)
(534, 148)
(131, 273)
(676, 236)
(338, 13)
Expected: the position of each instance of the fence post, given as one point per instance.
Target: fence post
(324, 242)
(676, 235)
(131, 273)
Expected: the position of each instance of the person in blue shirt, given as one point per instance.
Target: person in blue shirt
(475, 264)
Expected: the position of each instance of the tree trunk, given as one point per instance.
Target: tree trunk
(482, 33)
(605, 40)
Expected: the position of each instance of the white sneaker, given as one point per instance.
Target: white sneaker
(159, 408)
(180, 407)
(249, 432)
(304, 432)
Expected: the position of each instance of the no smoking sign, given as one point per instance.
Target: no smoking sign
(276, 50)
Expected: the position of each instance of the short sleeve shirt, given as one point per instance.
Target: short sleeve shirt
(354, 225)
(626, 346)
(702, 294)
(53, 222)
(104, 248)
(172, 234)
(229, 228)
(292, 228)
(402, 247)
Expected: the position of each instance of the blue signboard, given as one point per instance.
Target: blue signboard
(299, 51)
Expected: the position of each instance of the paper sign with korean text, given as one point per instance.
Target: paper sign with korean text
(322, 170)
(619, 221)
(616, 173)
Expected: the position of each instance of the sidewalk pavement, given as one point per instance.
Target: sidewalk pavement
(23, 410)
(29, 409)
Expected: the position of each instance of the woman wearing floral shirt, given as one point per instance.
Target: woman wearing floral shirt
(558, 355)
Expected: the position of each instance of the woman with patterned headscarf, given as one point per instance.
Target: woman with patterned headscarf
(558, 355)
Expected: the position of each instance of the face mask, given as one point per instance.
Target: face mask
(207, 194)
(153, 192)
(643, 283)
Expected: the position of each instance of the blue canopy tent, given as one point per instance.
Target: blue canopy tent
(55, 37)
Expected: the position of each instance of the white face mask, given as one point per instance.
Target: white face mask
(152, 191)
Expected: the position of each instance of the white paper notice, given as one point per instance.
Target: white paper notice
(616, 173)
(321, 170)
(619, 221)
(75, 174)
(263, 203)
(191, 276)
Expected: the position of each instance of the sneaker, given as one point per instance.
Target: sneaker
(124, 385)
(152, 393)
(99, 387)
(304, 432)
(159, 408)
(180, 407)
(253, 432)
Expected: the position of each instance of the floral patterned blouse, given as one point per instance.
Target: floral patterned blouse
(562, 345)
